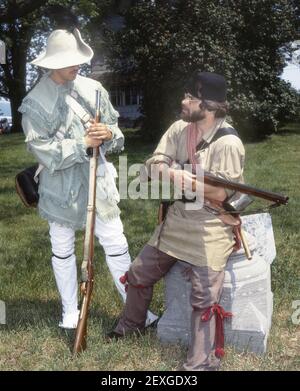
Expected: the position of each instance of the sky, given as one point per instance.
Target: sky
(291, 73)
(4, 108)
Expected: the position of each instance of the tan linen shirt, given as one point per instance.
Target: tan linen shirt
(197, 236)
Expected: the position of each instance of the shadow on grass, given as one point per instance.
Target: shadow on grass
(9, 141)
(34, 315)
(12, 215)
(8, 190)
(289, 129)
(9, 170)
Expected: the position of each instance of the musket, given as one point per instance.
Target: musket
(210, 179)
(277, 198)
(87, 268)
(230, 205)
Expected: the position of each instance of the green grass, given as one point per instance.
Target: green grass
(31, 339)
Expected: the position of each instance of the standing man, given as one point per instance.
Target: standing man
(57, 121)
(198, 237)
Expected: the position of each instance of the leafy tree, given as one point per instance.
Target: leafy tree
(16, 35)
(246, 41)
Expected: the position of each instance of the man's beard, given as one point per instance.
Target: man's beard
(193, 117)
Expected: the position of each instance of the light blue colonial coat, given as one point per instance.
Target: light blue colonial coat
(63, 182)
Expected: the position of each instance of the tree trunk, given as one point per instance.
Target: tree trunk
(15, 73)
(15, 102)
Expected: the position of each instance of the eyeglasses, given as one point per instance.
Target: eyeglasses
(191, 97)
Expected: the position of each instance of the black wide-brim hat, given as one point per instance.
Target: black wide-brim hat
(207, 85)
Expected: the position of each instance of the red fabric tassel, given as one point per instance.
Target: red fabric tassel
(207, 315)
(219, 352)
(123, 279)
(220, 315)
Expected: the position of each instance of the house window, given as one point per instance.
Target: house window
(117, 97)
(131, 96)
(127, 96)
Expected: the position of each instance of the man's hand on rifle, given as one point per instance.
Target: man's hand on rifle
(182, 179)
(96, 134)
(186, 181)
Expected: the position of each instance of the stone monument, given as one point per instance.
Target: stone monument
(2, 312)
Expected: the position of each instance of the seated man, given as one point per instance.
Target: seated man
(198, 237)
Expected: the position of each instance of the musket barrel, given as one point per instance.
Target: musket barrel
(278, 198)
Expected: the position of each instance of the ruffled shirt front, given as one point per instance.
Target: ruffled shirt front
(64, 180)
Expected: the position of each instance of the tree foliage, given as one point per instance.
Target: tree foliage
(246, 41)
(15, 32)
(24, 27)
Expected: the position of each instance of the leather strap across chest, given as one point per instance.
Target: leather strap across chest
(220, 133)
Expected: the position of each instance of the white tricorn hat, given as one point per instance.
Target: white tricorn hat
(64, 49)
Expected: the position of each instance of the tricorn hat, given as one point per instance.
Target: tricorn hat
(207, 85)
(64, 49)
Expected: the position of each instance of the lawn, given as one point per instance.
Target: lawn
(31, 339)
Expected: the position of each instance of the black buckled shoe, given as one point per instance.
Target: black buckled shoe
(113, 335)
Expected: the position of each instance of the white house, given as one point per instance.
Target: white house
(125, 93)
